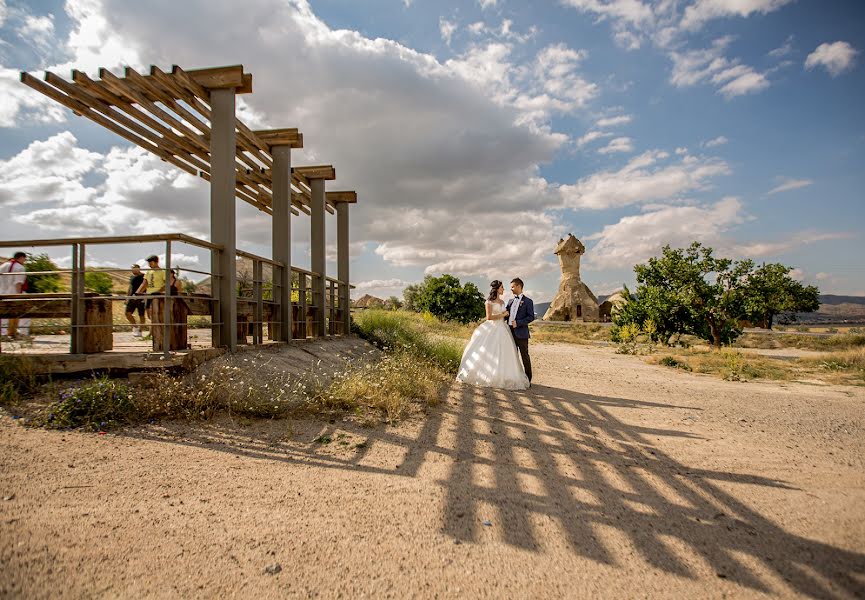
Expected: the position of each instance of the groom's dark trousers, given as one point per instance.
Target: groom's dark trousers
(525, 315)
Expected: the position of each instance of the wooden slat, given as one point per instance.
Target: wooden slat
(345, 196)
(281, 137)
(220, 77)
(316, 172)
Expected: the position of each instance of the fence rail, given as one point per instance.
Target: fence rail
(257, 297)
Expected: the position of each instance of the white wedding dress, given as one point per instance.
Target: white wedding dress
(491, 358)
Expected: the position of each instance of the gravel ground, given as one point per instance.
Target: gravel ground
(610, 477)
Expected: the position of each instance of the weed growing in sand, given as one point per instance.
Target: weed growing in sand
(98, 404)
(410, 334)
(675, 363)
(18, 378)
(391, 386)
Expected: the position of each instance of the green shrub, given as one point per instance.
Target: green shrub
(672, 361)
(98, 404)
(98, 282)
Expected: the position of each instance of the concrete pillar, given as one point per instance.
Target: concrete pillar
(222, 215)
(318, 248)
(281, 242)
(342, 254)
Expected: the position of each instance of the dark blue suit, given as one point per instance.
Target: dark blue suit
(525, 315)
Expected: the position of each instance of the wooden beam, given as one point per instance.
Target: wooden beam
(281, 137)
(326, 172)
(334, 197)
(221, 78)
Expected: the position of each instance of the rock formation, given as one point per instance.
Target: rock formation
(574, 301)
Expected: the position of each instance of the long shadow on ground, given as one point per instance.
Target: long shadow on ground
(560, 454)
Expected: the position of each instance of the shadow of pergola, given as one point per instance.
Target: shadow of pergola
(519, 457)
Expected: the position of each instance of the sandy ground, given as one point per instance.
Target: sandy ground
(610, 477)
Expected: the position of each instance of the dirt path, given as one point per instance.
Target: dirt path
(610, 477)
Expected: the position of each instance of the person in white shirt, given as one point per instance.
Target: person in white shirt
(12, 281)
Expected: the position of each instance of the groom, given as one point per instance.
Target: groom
(522, 312)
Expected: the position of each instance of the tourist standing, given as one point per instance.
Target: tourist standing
(134, 305)
(154, 283)
(12, 281)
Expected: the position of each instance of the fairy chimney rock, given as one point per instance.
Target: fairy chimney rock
(574, 300)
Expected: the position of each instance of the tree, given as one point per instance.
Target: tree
(42, 284)
(411, 294)
(687, 290)
(96, 281)
(447, 299)
(393, 303)
(771, 291)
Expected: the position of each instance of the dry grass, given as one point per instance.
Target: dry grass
(395, 386)
(576, 333)
(840, 341)
(846, 367)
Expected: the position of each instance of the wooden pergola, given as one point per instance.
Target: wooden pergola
(188, 119)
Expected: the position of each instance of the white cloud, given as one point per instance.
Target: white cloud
(836, 57)
(446, 132)
(39, 31)
(646, 178)
(3, 12)
(477, 28)
(487, 3)
(619, 144)
(591, 136)
(709, 65)
(614, 121)
(447, 29)
(702, 11)
(761, 249)
(634, 239)
(784, 49)
(790, 184)
(718, 141)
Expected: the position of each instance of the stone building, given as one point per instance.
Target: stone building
(574, 301)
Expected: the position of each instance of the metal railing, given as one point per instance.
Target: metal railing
(258, 295)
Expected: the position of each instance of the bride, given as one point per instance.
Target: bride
(491, 358)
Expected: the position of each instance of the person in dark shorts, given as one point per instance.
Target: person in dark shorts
(135, 304)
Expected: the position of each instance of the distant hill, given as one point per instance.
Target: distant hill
(833, 309)
(367, 301)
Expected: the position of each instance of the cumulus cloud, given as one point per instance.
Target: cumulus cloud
(697, 14)
(709, 65)
(614, 121)
(38, 31)
(718, 141)
(633, 239)
(619, 144)
(437, 138)
(487, 3)
(447, 29)
(649, 177)
(836, 58)
(591, 136)
(789, 184)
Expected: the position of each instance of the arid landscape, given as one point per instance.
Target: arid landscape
(608, 476)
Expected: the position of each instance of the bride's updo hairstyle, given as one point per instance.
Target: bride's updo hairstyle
(494, 289)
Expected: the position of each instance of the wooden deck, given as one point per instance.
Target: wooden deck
(51, 354)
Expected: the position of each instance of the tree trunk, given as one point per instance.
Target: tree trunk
(716, 335)
(769, 321)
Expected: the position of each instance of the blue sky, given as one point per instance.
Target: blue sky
(477, 133)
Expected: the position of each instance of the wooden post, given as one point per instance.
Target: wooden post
(303, 330)
(281, 240)
(318, 247)
(223, 178)
(342, 255)
(258, 295)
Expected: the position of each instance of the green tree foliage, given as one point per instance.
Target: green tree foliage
(42, 284)
(772, 292)
(98, 282)
(410, 296)
(687, 290)
(446, 298)
(393, 303)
